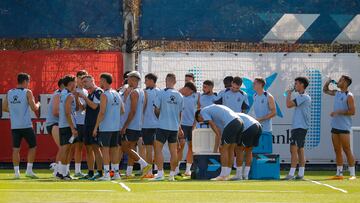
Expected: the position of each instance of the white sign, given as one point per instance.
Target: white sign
(280, 70)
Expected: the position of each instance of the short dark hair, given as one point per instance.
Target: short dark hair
(237, 80)
(107, 76)
(60, 82)
(303, 80)
(151, 76)
(260, 80)
(197, 113)
(67, 79)
(126, 74)
(190, 75)
(191, 86)
(81, 73)
(171, 75)
(208, 83)
(227, 80)
(347, 79)
(87, 76)
(21, 77)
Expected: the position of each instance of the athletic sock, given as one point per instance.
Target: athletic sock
(339, 170)
(100, 172)
(63, 169)
(17, 170)
(77, 167)
(29, 168)
(246, 172)
(129, 170)
(67, 169)
(106, 170)
(292, 171)
(301, 172)
(155, 167)
(188, 167)
(223, 171)
(142, 162)
(177, 169)
(115, 168)
(160, 173)
(90, 173)
(172, 173)
(238, 171)
(228, 171)
(352, 171)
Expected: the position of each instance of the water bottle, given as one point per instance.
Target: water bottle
(333, 82)
(286, 91)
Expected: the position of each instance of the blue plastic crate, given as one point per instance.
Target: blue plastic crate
(265, 167)
(265, 144)
(206, 166)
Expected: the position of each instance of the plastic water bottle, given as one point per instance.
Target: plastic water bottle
(286, 92)
(333, 82)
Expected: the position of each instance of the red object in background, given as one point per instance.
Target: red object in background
(45, 68)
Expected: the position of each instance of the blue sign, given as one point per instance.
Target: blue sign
(250, 20)
(60, 18)
(214, 165)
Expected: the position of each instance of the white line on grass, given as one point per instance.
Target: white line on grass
(245, 191)
(122, 185)
(327, 185)
(53, 190)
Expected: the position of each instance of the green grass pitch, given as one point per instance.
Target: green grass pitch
(317, 188)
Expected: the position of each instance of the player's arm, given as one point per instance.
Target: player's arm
(134, 96)
(272, 107)
(88, 101)
(145, 101)
(326, 89)
(217, 135)
(68, 113)
(34, 106)
(350, 111)
(56, 103)
(5, 104)
(289, 103)
(79, 106)
(101, 114)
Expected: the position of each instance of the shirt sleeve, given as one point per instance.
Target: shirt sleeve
(300, 99)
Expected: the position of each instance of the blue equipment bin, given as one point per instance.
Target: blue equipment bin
(265, 144)
(206, 166)
(265, 167)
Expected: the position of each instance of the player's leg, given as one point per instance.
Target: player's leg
(189, 154)
(294, 155)
(105, 140)
(224, 159)
(159, 142)
(56, 137)
(30, 138)
(114, 155)
(335, 137)
(141, 150)
(300, 143)
(248, 160)
(180, 150)
(239, 152)
(148, 139)
(345, 143)
(98, 160)
(128, 145)
(189, 159)
(16, 141)
(78, 151)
